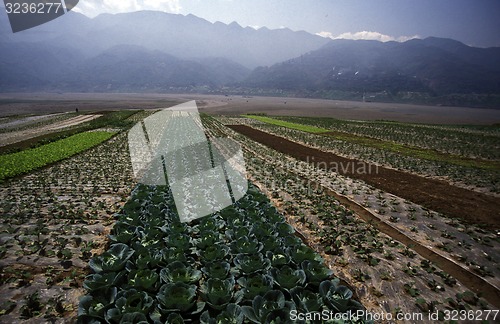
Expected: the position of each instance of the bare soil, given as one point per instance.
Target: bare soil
(38, 103)
(469, 206)
(19, 136)
(471, 280)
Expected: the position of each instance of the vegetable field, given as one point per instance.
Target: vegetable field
(223, 268)
(81, 241)
(28, 160)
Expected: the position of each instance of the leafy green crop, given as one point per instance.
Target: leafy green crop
(315, 271)
(306, 300)
(217, 269)
(177, 296)
(131, 305)
(246, 246)
(300, 127)
(288, 278)
(249, 264)
(144, 279)
(337, 297)
(246, 266)
(112, 260)
(31, 159)
(231, 315)
(217, 292)
(179, 272)
(257, 284)
(266, 308)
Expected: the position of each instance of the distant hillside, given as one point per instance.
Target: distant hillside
(134, 68)
(158, 52)
(431, 67)
(140, 51)
(185, 37)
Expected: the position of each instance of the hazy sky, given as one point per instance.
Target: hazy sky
(474, 22)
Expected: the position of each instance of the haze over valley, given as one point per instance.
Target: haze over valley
(150, 51)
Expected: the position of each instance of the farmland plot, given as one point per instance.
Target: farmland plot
(477, 142)
(28, 131)
(17, 123)
(483, 144)
(31, 159)
(389, 276)
(51, 223)
(242, 264)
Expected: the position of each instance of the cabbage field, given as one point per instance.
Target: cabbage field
(82, 241)
(221, 269)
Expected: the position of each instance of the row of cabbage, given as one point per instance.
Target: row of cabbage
(488, 179)
(398, 280)
(468, 141)
(243, 264)
(28, 160)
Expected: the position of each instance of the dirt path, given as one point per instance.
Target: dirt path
(454, 202)
(14, 137)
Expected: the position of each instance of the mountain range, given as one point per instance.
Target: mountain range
(432, 67)
(158, 52)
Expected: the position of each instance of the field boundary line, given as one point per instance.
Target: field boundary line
(469, 279)
(454, 202)
(398, 148)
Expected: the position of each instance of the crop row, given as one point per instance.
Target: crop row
(25, 161)
(51, 223)
(460, 175)
(242, 264)
(467, 141)
(378, 265)
(32, 136)
(19, 123)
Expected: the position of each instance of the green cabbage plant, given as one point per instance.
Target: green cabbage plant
(217, 293)
(231, 315)
(253, 285)
(179, 272)
(144, 279)
(246, 246)
(130, 302)
(113, 259)
(316, 272)
(338, 297)
(269, 307)
(306, 300)
(288, 278)
(178, 297)
(217, 269)
(251, 263)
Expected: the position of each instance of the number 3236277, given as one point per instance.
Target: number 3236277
(471, 315)
(33, 8)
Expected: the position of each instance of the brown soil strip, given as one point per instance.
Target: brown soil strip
(469, 206)
(73, 121)
(20, 136)
(474, 282)
(466, 277)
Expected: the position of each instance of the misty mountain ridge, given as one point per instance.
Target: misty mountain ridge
(151, 51)
(182, 36)
(427, 66)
